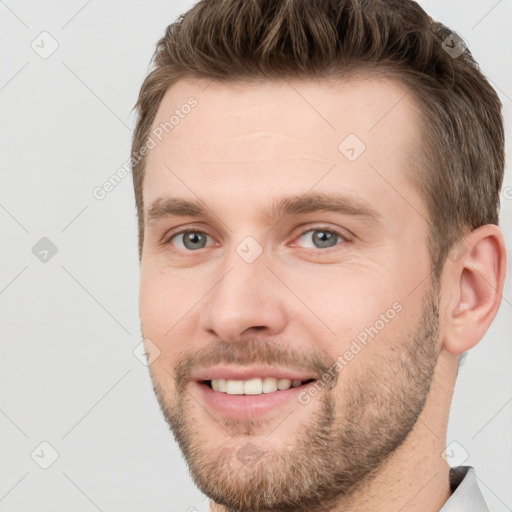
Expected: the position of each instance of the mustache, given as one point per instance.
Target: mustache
(252, 351)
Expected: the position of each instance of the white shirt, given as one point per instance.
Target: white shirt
(466, 496)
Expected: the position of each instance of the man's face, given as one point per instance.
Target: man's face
(252, 291)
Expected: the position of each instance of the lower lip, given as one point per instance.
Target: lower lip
(247, 406)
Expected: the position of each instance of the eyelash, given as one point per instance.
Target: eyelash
(334, 231)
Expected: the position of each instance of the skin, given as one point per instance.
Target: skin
(242, 148)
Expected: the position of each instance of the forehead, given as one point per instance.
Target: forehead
(280, 135)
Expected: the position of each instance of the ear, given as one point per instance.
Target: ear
(473, 278)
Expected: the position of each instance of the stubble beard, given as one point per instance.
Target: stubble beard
(340, 448)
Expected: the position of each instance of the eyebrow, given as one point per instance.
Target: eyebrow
(165, 207)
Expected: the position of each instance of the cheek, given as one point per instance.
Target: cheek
(153, 305)
(365, 310)
(163, 297)
(348, 299)
(371, 355)
(167, 308)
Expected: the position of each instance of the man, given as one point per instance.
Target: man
(317, 186)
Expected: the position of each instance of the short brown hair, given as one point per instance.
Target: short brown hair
(460, 168)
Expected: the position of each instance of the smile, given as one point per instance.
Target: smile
(255, 386)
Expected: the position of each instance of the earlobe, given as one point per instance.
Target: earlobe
(478, 278)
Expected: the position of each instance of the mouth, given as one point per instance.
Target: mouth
(252, 398)
(255, 386)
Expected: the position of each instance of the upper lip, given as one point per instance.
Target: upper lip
(247, 373)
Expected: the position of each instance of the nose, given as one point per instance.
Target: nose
(246, 299)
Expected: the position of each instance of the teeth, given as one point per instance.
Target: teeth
(235, 387)
(284, 384)
(269, 385)
(253, 386)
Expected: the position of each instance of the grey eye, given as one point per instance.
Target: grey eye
(321, 239)
(190, 240)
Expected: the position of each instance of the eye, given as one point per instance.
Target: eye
(321, 238)
(189, 240)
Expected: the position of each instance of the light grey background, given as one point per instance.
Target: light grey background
(69, 326)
